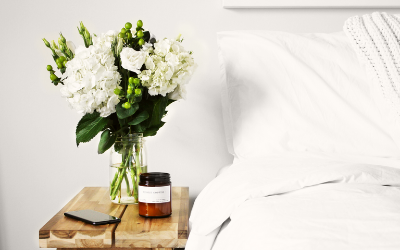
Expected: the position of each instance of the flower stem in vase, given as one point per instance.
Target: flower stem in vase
(118, 184)
(128, 190)
(134, 183)
(119, 195)
(138, 171)
(112, 185)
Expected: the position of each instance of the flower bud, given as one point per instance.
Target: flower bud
(63, 40)
(117, 91)
(46, 43)
(138, 92)
(139, 23)
(54, 45)
(87, 34)
(139, 34)
(129, 91)
(62, 47)
(49, 68)
(120, 45)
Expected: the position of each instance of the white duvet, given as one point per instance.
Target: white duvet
(302, 202)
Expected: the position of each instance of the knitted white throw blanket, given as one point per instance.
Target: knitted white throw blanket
(376, 39)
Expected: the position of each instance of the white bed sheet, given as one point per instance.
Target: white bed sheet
(327, 216)
(300, 202)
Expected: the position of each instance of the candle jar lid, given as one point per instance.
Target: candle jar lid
(155, 178)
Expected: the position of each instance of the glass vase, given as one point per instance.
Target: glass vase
(127, 162)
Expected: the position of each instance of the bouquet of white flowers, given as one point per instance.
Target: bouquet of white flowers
(121, 82)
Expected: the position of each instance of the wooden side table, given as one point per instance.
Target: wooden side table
(132, 232)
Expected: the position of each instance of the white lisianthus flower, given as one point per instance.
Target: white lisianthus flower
(92, 78)
(132, 60)
(168, 68)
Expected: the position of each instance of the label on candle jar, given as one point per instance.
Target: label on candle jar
(154, 194)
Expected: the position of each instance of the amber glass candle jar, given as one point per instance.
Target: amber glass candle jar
(155, 195)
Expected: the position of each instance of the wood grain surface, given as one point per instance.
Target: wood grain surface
(135, 231)
(64, 232)
(117, 248)
(132, 232)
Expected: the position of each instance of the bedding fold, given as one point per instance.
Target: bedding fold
(252, 179)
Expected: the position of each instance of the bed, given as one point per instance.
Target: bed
(313, 123)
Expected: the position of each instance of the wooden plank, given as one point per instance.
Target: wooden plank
(183, 228)
(135, 231)
(64, 232)
(116, 248)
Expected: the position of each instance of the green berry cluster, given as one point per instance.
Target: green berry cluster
(53, 76)
(133, 92)
(133, 39)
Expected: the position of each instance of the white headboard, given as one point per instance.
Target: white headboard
(311, 3)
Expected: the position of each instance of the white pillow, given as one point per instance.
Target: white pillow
(287, 92)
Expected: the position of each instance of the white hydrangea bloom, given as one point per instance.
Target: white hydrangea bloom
(168, 68)
(92, 78)
(105, 40)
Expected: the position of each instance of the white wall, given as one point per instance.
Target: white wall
(41, 168)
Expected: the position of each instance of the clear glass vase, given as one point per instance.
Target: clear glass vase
(127, 162)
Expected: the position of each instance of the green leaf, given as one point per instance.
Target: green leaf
(139, 128)
(146, 36)
(106, 141)
(123, 113)
(139, 118)
(89, 126)
(153, 130)
(122, 122)
(138, 98)
(170, 101)
(56, 81)
(158, 111)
